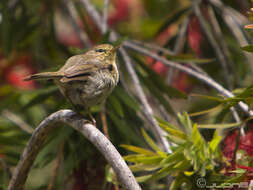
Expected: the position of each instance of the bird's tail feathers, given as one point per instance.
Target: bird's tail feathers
(45, 75)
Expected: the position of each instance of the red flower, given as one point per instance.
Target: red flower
(229, 145)
(17, 71)
(121, 11)
(195, 36)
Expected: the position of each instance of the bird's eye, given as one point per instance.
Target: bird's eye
(110, 67)
(100, 50)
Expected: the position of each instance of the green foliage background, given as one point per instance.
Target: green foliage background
(28, 31)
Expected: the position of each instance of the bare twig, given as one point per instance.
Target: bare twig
(17, 120)
(218, 34)
(69, 117)
(240, 18)
(220, 38)
(213, 42)
(93, 13)
(5, 167)
(56, 168)
(148, 112)
(235, 21)
(70, 11)
(141, 95)
(179, 44)
(105, 15)
(206, 79)
(152, 47)
(104, 124)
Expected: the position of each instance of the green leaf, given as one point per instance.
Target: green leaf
(163, 122)
(186, 122)
(172, 18)
(235, 179)
(150, 142)
(216, 99)
(179, 181)
(213, 144)
(116, 105)
(126, 99)
(174, 132)
(219, 126)
(144, 167)
(196, 137)
(248, 48)
(176, 140)
(138, 150)
(52, 145)
(176, 156)
(187, 58)
(124, 128)
(144, 159)
(6, 28)
(144, 178)
(40, 96)
(207, 111)
(169, 169)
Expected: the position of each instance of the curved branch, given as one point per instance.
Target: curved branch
(69, 117)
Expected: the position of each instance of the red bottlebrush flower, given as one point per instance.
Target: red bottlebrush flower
(17, 71)
(229, 144)
(158, 67)
(121, 11)
(181, 82)
(163, 37)
(249, 169)
(246, 142)
(195, 35)
(228, 149)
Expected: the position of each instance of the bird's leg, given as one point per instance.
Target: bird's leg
(91, 117)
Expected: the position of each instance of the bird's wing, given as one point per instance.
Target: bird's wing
(81, 70)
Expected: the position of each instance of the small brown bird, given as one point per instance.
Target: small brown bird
(86, 79)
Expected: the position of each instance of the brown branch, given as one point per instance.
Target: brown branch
(69, 117)
(104, 124)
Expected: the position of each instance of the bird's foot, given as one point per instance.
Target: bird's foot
(93, 121)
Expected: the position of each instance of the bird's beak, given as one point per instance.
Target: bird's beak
(115, 48)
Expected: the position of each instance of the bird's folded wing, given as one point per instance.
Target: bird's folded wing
(80, 71)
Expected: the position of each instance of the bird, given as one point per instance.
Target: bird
(86, 79)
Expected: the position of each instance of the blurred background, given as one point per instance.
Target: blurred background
(207, 36)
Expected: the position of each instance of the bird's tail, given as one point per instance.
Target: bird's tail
(45, 75)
